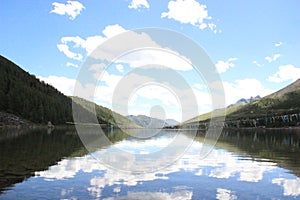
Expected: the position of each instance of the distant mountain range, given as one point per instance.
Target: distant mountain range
(244, 101)
(171, 122)
(149, 122)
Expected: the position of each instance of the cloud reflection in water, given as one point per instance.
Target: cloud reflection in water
(219, 164)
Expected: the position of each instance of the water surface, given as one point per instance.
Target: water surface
(249, 164)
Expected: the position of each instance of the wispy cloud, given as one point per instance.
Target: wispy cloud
(257, 64)
(278, 44)
(120, 68)
(272, 58)
(223, 66)
(89, 44)
(69, 64)
(189, 12)
(71, 8)
(64, 48)
(137, 4)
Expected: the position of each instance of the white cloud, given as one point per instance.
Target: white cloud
(203, 98)
(285, 73)
(138, 58)
(244, 88)
(130, 40)
(110, 80)
(135, 4)
(63, 84)
(120, 68)
(155, 95)
(86, 91)
(147, 94)
(278, 44)
(65, 49)
(189, 12)
(157, 92)
(141, 57)
(202, 26)
(223, 66)
(150, 95)
(157, 57)
(89, 44)
(113, 30)
(212, 27)
(257, 64)
(77, 41)
(104, 93)
(71, 8)
(272, 59)
(69, 64)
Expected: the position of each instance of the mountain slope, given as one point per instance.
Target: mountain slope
(105, 115)
(244, 101)
(24, 95)
(147, 122)
(288, 89)
(283, 102)
(171, 122)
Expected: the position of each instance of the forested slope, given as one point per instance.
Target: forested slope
(26, 96)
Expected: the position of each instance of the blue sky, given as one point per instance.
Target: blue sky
(254, 44)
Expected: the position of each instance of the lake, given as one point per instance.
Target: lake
(54, 164)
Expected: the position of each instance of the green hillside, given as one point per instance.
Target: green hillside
(207, 116)
(104, 115)
(283, 102)
(281, 108)
(25, 96)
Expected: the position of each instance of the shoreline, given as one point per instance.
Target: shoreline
(244, 128)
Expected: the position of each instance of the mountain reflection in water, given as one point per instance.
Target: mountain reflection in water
(244, 164)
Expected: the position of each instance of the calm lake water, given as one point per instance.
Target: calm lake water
(249, 164)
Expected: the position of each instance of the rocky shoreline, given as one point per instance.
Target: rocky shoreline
(11, 120)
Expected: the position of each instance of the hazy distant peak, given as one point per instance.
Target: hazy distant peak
(150, 122)
(244, 101)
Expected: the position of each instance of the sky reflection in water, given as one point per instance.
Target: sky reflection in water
(221, 175)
